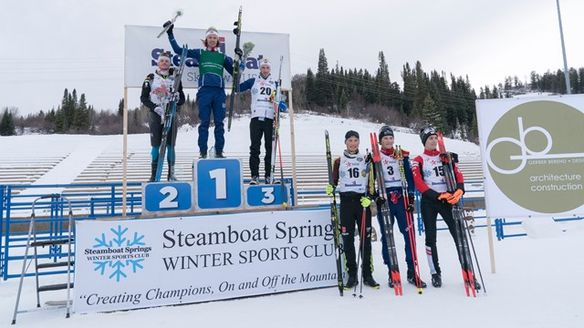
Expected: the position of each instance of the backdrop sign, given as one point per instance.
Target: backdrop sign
(143, 263)
(142, 49)
(533, 156)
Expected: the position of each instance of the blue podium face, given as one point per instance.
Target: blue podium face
(168, 197)
(219, 184)
(266, 195)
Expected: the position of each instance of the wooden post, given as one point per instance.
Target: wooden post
(125, 153)
(293, 147)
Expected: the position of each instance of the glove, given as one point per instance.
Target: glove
(379, 201)
(411, 202)
(369, 158)
(282, 106)
(330, 190)
(160, 111)
(444, 196)
(239, 52)
(365, 202)
(167, 23)
(455, 197)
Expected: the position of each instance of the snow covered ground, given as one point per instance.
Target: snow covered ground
(536, 284)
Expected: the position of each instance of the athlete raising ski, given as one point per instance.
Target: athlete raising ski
(156, 94)
(262, 119)
(211, 95)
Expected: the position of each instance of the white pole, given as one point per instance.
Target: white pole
(566, 72)
(491, 245)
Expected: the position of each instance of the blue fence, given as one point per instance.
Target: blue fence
(15, 209)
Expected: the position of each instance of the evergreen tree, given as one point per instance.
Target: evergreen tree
(121, 108)
(409, 92)
(431, 114)
(322, 82)
(81, 122)
(422, 82)
(7, 127)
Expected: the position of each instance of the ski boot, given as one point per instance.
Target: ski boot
(219, 154)
(412, 279)
(369, 281)
(154, 167)
(436, 280)
(254, 180)
(351, 282)
(477, 285)
(171, 176)
(203, 155)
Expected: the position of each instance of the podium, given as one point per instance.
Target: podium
(217, 185)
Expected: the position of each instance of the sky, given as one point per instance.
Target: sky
(48, 46)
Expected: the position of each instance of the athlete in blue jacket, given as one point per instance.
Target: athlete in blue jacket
(211, 94)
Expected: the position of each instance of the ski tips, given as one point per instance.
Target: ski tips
(178, 13)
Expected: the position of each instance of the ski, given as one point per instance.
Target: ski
(276, 126)
(236, 73)
(334, 216)
(170, 112)
(462, 243)
(409, 219)
(388, 225)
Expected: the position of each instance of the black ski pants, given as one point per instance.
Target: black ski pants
(430, 210)
(258, 128)
(351, 213)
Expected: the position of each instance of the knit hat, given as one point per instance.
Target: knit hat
(385, 131)
(164, 54)
(265, 62)
(211, 31)
(351, 133)
(426, 132)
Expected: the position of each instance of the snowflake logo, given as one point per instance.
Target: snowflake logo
(117, 268)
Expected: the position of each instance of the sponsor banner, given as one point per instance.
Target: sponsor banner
(142, 49)
(533, 156)
(132, 264)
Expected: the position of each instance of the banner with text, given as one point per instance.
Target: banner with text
(142, 49)
(143, 263)
(533, 156)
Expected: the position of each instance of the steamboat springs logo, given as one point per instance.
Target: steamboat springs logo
(117, 253)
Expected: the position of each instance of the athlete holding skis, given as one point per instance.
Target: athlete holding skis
(156, 94)
(430, 181)
(262, 119)
(350, 177)
(211, 95)
(393, 184)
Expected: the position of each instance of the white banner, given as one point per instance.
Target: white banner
(142, 49)
(143, 263)
(533, 156)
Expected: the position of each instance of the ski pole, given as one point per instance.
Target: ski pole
(176, 15)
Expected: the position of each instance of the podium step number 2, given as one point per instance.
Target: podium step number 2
(167, 197)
